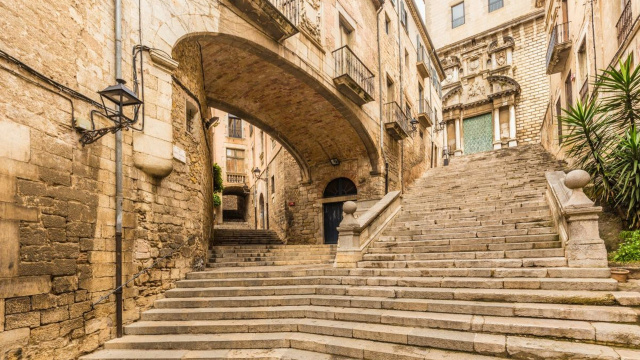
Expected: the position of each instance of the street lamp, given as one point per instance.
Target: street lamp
(121, 96)
(414, 125)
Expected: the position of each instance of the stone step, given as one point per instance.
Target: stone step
(311, 336)
(407, 248)
(574, 297)
(467, 263)
(529, 310)
(418, 240)
(336, 348)
(221, 320)
(414, 272)
(498, 254)
(261, 354)
(271, 257)
(597, 284)
(291, 261)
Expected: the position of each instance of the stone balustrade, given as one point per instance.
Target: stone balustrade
(356, 234)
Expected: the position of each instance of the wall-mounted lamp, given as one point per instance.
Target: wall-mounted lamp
(214, 121)
(414, 125)
(122, 97)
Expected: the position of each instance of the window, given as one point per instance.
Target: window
(420, 98)
(273, 184)
(390, 89)
(273, 143)
(558, 115)
(250, 130)
(387, 23)
(346, 32)
(568, 91)
(495, 5)
(406, 57)
(190, 116)
(403, 15)
(235, 161)
(235, 127)
(457, 15)
(407, 109)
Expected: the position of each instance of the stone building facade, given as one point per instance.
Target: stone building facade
(58, 197)
(495, 87)
(581, 41)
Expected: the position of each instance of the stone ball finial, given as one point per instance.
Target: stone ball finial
(577, 179)
(350, 207)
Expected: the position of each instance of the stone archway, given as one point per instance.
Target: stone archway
(335, 194)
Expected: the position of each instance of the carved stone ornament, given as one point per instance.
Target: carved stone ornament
(449, 78)
(476, 89)
(310, 19)
(474, 64)
(501, 58)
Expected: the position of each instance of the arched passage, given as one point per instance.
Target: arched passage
(291, 105)
(234, 204)
(335, 194)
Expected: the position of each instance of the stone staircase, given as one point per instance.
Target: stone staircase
(471, 268)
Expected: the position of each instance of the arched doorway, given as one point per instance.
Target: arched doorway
(261, 206)
(234, 204)
(340, 190)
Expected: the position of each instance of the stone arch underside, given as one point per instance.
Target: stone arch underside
(287, 102)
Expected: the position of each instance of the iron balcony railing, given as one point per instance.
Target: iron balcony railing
(624, 23)
(394, 114)
(559, 36)
(236, 178)
(425, 108)
(289, 8)
(347, 63)
(495, 5)
(584, 91)
(423, 58)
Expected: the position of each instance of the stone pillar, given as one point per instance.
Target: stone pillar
(497, 144)
(584, 247)
(349, 238)
(446, 137)
(512, 126)
(458, 139)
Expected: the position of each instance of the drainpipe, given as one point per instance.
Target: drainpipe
(384, 156)
(400, 54)
(118, 145)
(266, 174)
(593, 32)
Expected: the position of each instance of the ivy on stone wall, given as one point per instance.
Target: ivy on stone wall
(218, 185)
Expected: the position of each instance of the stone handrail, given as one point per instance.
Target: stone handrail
(576, 219)
(357, 234)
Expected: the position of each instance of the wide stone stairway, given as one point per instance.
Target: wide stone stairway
(471, 268)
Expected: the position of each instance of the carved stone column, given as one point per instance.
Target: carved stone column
(458, 138)
(512, 126)
(497, 143)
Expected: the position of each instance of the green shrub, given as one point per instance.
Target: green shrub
(629, 250)
(216, 200)
(218, 184)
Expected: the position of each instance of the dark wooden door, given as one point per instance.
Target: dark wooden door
(332, 218)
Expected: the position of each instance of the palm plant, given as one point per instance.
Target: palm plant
(603, 140)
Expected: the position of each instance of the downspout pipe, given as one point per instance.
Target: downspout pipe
(384, 155)
(119, 197)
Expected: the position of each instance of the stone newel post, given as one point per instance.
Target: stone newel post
(349, 229)
(584, 247)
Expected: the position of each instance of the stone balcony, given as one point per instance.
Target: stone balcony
(278, 18)
(353, 79)
(396, 121)
(424, 63)
(559, 48)
(425, 113)
(236, 179)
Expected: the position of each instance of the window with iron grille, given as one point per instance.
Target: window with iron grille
(457, 15)
(495, 5)
(235, 127)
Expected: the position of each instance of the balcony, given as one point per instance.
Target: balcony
(625, 23)
(425, 113)
(584, 91)
(278, 18)
(236, 178)
(353, 78)
(396, 121)
(559, 49)
(424, 62)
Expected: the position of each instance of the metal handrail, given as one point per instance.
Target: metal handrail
(347, 63)
(425, 108)
(422, 56)
(623, 26)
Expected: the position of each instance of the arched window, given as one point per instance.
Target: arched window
(340, 187)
